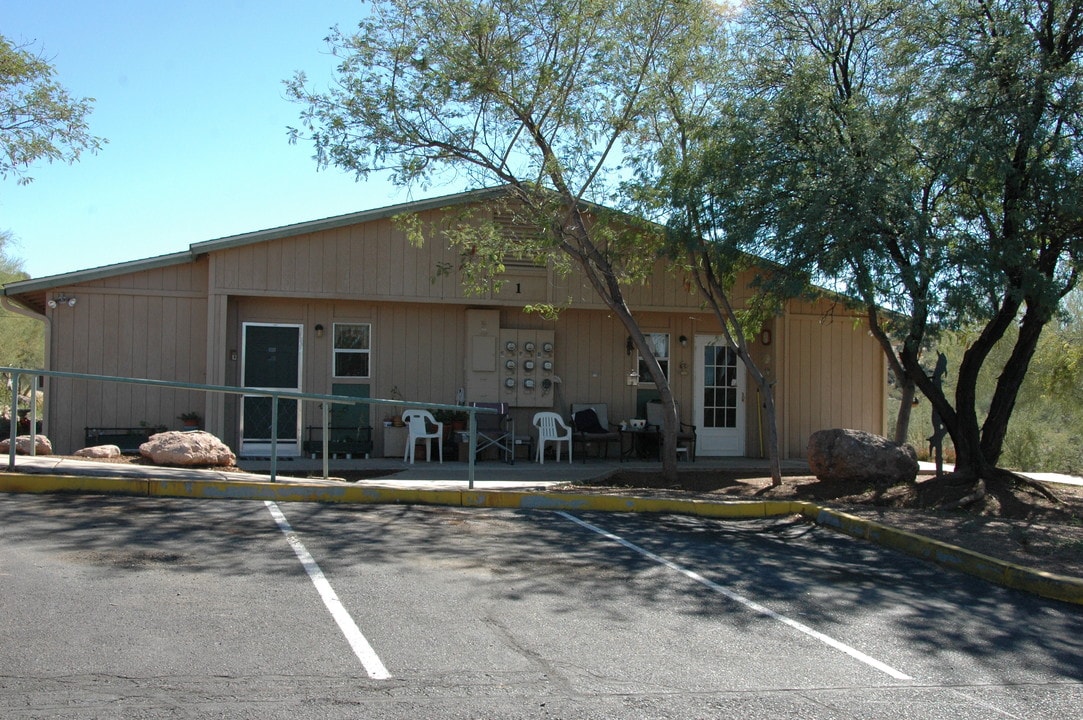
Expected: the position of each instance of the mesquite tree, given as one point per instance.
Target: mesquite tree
(542, 96)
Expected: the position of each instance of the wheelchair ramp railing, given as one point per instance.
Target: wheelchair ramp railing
(325, 401)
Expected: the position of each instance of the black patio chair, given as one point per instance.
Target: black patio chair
(590, 424)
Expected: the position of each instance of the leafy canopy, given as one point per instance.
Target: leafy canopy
(534, 91)
(39, 119)
(925, 157)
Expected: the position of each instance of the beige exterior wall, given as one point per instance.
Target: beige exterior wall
(419, 353)
(184, 323)
(145, 325)
(832, 374)
(374, 261)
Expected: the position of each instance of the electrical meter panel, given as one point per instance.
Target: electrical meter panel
(527, 359)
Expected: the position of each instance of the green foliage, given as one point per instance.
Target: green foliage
(543, 97)
(39, 120)
(922, 157)
(1045, 433)
(21, 338)
(546, 311)
(547, 98)
(450, 416)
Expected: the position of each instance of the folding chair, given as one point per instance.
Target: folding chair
(496, 430)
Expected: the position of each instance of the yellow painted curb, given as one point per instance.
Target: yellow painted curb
(299, 492)
(614, 503)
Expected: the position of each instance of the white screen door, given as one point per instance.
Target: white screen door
(720, 398)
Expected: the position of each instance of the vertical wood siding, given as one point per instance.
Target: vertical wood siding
(374, 260)
(834, 377)
(154, 324)
(144, 325)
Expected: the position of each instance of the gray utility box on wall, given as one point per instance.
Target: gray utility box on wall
(517, 367)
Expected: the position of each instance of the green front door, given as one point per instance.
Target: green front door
(271, 361)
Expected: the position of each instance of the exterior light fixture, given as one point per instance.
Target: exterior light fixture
(319, 331)
(61, 300)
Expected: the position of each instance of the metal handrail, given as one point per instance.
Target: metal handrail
(275, 395)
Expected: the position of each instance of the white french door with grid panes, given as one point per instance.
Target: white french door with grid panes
(719, 398)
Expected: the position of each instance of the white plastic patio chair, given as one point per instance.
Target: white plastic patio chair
(418, 422)
(551, 428)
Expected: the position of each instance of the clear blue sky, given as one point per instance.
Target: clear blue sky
(190, 97)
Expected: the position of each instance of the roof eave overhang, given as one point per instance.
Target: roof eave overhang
(22, 288)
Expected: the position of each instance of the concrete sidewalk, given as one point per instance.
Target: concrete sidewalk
(497, 485)
(392, 472)
(1053, 478)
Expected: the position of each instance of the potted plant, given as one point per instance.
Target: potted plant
(453, 420)
(396, 418)
(190, 420)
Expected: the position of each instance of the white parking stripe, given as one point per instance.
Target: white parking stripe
(369, 660)
(750, 604)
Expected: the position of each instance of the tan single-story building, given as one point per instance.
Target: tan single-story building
(348, 306)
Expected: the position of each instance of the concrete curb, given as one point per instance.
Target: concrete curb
(1048, 585)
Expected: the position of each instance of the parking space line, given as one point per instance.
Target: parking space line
(750, 604)
(369, 660)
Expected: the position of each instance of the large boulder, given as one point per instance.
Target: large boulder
(841, 454)
(99, 451)
(42, 445)
(187, 448)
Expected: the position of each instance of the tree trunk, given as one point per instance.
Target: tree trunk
(574, 238)
(902, 376)
(670, 422)
(711, 289)
(1010, 381)
(908, 392)
(770, 418)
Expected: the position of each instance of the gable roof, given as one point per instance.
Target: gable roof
(338, 221)
(31, 291)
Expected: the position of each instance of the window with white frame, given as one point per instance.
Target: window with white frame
(353, 350)
(659, 343)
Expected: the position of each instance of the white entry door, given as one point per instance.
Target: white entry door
(271, 361)
(720, 398)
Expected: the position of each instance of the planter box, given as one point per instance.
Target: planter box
(348, 441)
(23, 428)
(127, 439)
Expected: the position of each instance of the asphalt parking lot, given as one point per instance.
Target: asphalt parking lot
(179, 608)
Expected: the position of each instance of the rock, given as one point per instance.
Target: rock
(187, 448)
(840, 454)
(99, 451)
(22, 445)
